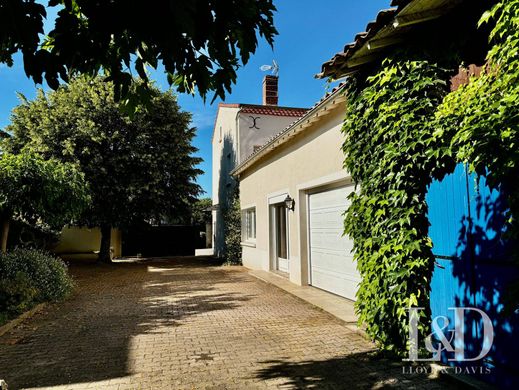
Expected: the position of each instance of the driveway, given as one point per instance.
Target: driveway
(187, 323)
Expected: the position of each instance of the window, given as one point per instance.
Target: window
(249, 225)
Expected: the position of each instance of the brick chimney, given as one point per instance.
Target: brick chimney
(270, 90)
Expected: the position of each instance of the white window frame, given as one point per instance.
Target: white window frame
(248, 225)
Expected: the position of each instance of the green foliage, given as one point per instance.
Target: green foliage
(198, 43)
(391, 152)
(139, 168)
(35, 235)
(34, 189)
(402, 130)
(482, 118)
(201, 211)
(232, 231)
(29, 277)
(16, 296)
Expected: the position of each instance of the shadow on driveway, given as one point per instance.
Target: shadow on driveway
(362, 370)
(87, 338)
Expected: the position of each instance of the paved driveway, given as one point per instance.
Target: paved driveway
(187, 323)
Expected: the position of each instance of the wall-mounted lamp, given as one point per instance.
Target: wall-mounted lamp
(290, 203)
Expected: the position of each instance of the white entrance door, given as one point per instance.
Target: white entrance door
(331, 258)
(280, 237)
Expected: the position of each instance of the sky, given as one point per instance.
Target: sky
(310, 33)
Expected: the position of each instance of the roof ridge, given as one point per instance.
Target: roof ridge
(237, 105)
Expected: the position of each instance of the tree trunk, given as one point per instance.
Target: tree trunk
(4, 226)
(104, 251)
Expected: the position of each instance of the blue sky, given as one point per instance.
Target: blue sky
(309, 34)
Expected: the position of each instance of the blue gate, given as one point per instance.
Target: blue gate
(474, 268)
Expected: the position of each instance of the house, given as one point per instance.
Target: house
(239, 130)
(303, 163)
(293, 189)
(300, 167)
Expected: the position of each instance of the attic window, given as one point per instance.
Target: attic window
(220, 140)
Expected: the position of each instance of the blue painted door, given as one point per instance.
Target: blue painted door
(474, 267)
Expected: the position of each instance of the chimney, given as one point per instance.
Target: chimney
(270, 90)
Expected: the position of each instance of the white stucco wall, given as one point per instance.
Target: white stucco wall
(225, 146)
(225, 141)
(250, 136)
(233, 141)
(311, 160)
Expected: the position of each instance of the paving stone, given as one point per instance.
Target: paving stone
(187, 323)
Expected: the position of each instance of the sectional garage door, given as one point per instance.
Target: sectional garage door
(331, 261)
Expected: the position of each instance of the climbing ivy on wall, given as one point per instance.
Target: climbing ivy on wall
(232, 230)
(482, 118)
(391, 152)
(402, 130)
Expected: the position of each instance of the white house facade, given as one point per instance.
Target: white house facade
(239, 130)
(293, 193)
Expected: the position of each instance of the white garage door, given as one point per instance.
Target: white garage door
(331, 259)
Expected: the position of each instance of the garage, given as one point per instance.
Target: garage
(331, 259)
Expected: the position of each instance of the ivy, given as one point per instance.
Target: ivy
(482, 118)
(402, 130)
(232, 230)
(391, 152)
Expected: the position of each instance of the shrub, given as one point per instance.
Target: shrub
(28, 277)
(16, 296)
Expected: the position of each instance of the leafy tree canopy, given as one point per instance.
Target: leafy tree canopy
(201, 211)
(137, 169)
(34, 189)
(198, 43)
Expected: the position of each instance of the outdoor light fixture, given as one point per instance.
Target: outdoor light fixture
(290, 203)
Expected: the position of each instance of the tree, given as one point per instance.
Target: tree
(201, 211)
(34, 189)
(199, 44)
(137, 169)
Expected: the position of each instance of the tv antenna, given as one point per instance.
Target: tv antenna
(274, 68)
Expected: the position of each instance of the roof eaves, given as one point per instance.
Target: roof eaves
(389, 28)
